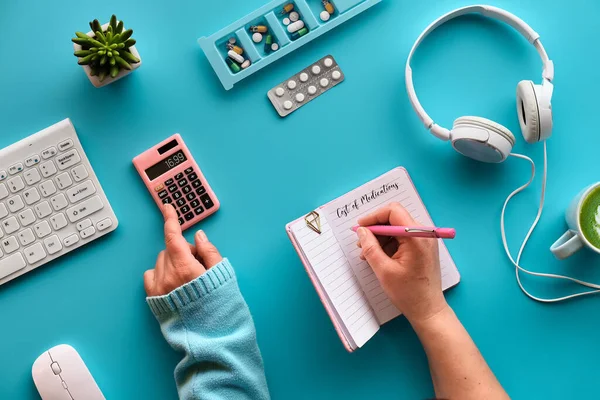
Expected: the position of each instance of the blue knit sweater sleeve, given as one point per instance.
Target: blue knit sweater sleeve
(208, 321)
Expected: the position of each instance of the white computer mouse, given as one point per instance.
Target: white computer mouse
(61, 374)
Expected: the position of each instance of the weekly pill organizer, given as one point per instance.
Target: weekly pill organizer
(172, 176)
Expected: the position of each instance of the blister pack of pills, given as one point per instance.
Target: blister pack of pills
(305, 86)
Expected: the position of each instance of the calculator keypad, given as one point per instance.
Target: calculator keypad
(186, 192)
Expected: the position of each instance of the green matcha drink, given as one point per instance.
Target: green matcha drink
(590, 217)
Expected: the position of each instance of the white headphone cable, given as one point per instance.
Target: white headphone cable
(531, 229)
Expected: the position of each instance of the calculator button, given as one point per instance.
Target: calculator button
(178, 176)
(43, 209)
(10, 244)
(176, 195)
(49, 152)
(182, 182)
(172, 188)
(10, 225)
(163, 194)
(196, 184)
(32, 176)
(26, 237)
(87, 232)
(195, 203)
(85, 209)
(58, 221)
(48, 169)
(181, 202)
(71, 240)
(31, 196)
(198, 210)
(53, 244)
(42, 229)
(59, 202)
(201, 190)
(16, 184)
(67, 144)
(192, 177)
(3, 213)
(167, 200)
(15, 169)
(104, 224)
(159, 188)
(86, 223)
(191, 196)
(68, 159)
(63, 180)
(189, 216)
(206, 200)
(80, 192)
(35, 253)
(169, 182)
(27, 217)
(181, 221)
(48, 188)
(185, 209)
(178, 213)
(34, 159)
(187, 189)
(189, 171)
(15, 204)
(79, 173)
(3, 191)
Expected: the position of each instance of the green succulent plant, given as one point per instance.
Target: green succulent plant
(107, 52)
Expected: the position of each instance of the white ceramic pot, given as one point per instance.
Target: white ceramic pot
(108, 80)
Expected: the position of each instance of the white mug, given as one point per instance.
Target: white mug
(574, 239)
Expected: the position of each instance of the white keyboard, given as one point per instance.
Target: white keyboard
(50, 200)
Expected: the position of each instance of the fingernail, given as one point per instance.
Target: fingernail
(201, 236)
(362, 232)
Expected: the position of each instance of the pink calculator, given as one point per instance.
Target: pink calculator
(173, 177)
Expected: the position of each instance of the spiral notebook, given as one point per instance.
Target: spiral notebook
(347, 286)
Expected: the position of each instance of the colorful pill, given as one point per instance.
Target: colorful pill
(325, 16)
(246, 64)
(299, 34)
(235, 57)
(232, 40)
(233, 66)
(295, 27)
(259, 28)
(235, 48)
(294, 16)
(328, 6)
(257, 37)
(274, 47)
(287, 8)
(286, 21)
(268, 42)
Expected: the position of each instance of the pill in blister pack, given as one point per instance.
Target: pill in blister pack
(306, 85)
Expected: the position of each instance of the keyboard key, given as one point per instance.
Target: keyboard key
(87, 232)
(31, 196)
(201, 190)
(11, 264)
(68, 159)
(86, 223)
(195, 203)
(172, 188)
(27, 217)
(15, 204)
(185, 209)
(43, 209)
(79, 173)
(80, 192)
(47, 188)
(178, 176)
(192, 177)
(67, 144)
(49, 152)
(53, 244)
(32, 176)
(196, 184)
(181, 202)
(32, 160)
(59, 202)
(104, 224)
(85, 209)
(71, 240)
(189, 216)
(10, 244)
(42, 229)
(63, 181)
(198, 210)
(182, 182)
(48, 169)
(3, 191)
(167, 200)
(2, 175)
(191, 196)
(207, 201)
(58, 221)
(3, 212)
(169, 182)
(181, 221)
(34, 253)
(163, 194)
(187, 189)
(16, 184)
(26, 237)
(176, 195)
(189, 171)
(15, 169)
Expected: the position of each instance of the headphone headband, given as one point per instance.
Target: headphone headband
(489, 11)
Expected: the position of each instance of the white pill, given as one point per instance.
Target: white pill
(235, 57)
(325, 16)
(324, 82)
(279, 91)
(288, 105)
(274, 47)
(299, 97)
(286, 21)
(294, 16)
(257, 37)
(328, 62)
(246, 64)
(303, 77)
(312, 90)
(232, 40)
(336, 75)
(292, 85)
(295, 27)
(316, 70)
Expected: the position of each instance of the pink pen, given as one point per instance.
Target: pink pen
(415, 231)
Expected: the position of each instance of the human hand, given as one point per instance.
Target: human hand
(181, 262)
(408, 268)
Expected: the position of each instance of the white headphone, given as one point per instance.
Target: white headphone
(480, 138)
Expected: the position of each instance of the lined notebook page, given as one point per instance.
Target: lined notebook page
(337, 279)
(343, 214)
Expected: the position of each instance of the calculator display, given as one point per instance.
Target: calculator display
(165, 165)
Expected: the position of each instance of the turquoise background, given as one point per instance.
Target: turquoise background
(268, 171)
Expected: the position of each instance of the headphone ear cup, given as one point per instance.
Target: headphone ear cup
(528, 110)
